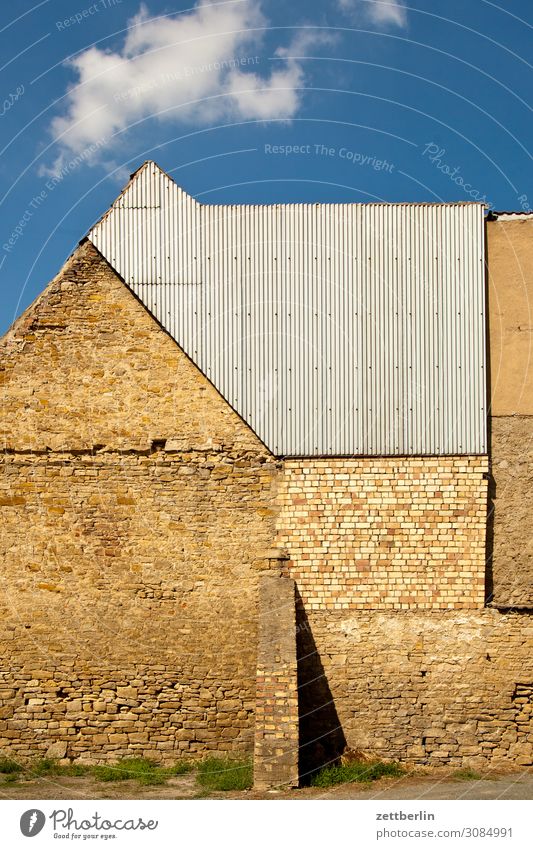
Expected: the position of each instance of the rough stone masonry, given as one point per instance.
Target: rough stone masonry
(134, 505)
(137, 508)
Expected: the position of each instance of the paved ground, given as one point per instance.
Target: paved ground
(513, 785)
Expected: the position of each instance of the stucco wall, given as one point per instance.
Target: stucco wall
(510, 298)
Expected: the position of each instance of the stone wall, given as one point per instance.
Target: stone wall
(510, 564)
(435, 688)
(397, 532)
(134, 503)
(87, 367)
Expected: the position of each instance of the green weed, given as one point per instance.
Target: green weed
(9, 767)
(142, 770)
(179, 768)
(75, 770)
(225, 774)
(360, 771)
(44, 766)
(467, 774)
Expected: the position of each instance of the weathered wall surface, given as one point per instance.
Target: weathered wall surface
(87, 365)
(510, 296)
(133, 505)
(436, 688)
(376, 533)
(512, 513)
(276, 710)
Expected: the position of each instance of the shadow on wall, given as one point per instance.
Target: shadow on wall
(322, 739)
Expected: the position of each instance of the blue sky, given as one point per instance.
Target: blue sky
(248, 101)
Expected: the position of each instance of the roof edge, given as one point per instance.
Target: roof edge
(152, 163)
(510, 215)
(133, 176)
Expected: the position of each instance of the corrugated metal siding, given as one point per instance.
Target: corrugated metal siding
(332, 329)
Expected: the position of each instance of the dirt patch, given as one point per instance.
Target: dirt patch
(85, 787)
(441, 785)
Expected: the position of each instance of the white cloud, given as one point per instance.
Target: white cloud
(198, 66)
(383, 13)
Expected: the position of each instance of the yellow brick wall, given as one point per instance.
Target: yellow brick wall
(385, 533)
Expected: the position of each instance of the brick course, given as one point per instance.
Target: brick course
(382, 533)
(276, 708)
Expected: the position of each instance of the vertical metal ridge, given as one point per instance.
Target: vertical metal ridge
(336, 329)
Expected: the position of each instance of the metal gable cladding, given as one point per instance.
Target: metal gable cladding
(332, 329)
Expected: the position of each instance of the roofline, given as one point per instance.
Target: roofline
(124, 190)
(149, 162)
(507, 215)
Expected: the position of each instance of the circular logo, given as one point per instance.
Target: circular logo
(32, 822)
